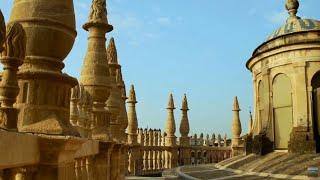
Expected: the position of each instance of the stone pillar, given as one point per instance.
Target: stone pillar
(301, 137)
(185, 153)
(102, 161)
(132, 117)
(95, 75)
(57, 158)
(11, 57)
(237, 147)
(115, 162)
(170, 140)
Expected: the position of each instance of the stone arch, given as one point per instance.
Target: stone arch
(282, 110)
(315, 83)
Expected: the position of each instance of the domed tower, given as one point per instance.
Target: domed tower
(286, 76)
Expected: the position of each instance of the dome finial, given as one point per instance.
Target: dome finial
(292, 6)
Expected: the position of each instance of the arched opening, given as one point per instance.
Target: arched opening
(315, 83)
(282, 111)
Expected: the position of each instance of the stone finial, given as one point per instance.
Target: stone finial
(236, 104)
(112, 52)
(132, 95)
(184, 125)
(185, 103)
(292, 6)
(15, 43)
(98, 11)
(2, 31)
(236, 124)
(171, 102)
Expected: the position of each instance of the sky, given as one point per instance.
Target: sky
(197, 47)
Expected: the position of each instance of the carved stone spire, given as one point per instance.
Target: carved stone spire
(184, 126)
(170, 124)
(236, 128)
(132, 117)
(112, 55)
(292, 6)
(95, 75)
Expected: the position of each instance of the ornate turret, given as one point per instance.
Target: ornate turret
(184, 126)
(95, 76)
(170, 124)
(132, 117)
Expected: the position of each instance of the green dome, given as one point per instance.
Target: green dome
(294, 26)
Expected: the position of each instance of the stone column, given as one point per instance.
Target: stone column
(132, 117)
(12, 57)
(57, 158)
(184, 131)
(170, 140)
(236, 129)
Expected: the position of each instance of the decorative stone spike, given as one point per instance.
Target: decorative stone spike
(132, 117)
(12, 57)
(95, 75)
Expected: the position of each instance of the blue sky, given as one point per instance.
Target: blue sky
(197, 47)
